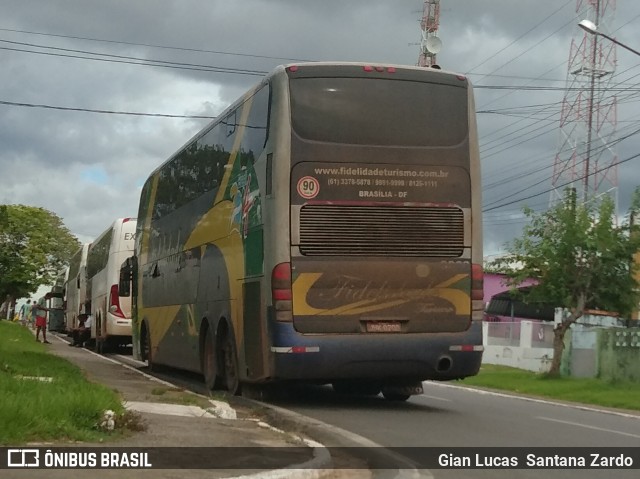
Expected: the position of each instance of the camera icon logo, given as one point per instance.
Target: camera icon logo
(23, 458)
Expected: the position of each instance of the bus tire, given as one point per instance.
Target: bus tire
(146, 347)
(356, 388)
(389, 396)
(229, 363)
(209, 360)
(99, 341)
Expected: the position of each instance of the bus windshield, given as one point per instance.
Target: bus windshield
(379, 112)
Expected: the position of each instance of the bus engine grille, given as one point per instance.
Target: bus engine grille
(354, 230)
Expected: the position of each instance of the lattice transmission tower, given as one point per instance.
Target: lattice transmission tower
(586, 158)
(430, 44)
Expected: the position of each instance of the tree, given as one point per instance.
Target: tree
(34, 246)
(580, 258)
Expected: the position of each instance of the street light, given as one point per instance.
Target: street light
(590, 27)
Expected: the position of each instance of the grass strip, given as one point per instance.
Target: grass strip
(593, 391)
(44, 397)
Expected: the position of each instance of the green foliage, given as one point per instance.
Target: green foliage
(34, 246)
(580, 257)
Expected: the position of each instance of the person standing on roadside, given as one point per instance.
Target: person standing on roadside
(40, 313)
(32, 318)
(25, 312)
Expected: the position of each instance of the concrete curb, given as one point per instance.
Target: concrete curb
(316, 468)
(337, 437)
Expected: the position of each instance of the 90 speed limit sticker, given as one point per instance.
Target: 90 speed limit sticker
(308, 187)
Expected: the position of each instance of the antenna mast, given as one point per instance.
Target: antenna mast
(430, 44)
(586, 158)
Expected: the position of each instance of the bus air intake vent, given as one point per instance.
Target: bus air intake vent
(349, 230)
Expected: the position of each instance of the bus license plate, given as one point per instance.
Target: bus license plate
(382, 327)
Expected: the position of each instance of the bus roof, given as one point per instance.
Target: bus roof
(312, 69)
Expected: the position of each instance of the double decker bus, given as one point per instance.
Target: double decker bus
(111, 326)
(75, 288)
(325, 228)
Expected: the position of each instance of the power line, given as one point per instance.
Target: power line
(518, 39)
(565, 184)
(143, 62)
(595, 151)
(151, 45)
(109, 112)
(544, 88)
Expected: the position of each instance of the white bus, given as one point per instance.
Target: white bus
(75, 287)
(55, 302)
(111, 326)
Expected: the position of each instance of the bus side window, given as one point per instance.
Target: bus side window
(124, 285)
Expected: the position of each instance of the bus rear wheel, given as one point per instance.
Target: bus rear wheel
(209, 362)
(389, 396)
(146, 350)
(229, 362)
(356, 387)
(100, 348)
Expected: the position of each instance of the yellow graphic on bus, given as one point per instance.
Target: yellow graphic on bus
(305, 282)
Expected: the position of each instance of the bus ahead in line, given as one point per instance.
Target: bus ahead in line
(111, 326)
(325, 228)
(75, 288)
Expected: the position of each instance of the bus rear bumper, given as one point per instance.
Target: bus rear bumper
(437, 356)
(118, 327)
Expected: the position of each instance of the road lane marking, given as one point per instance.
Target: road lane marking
(587, 426)
(436, 398)
(580, 407)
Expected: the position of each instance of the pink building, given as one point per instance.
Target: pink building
(495, 283)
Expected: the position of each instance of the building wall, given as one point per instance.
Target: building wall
(593, 348)
(619, 354)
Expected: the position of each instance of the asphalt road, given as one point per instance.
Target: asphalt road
(448, 415)
(452, 416)
(466, 417)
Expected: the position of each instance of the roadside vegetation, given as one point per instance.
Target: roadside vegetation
(598, 392)
(45, 398)
(580, 257)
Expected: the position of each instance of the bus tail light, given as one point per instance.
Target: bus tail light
(281, 291)
(371, 68)
(467, 348)
(477, 276)
(114, 302)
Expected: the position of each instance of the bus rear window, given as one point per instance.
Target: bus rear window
(374, 111)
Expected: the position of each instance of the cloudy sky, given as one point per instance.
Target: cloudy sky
(78, 55)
